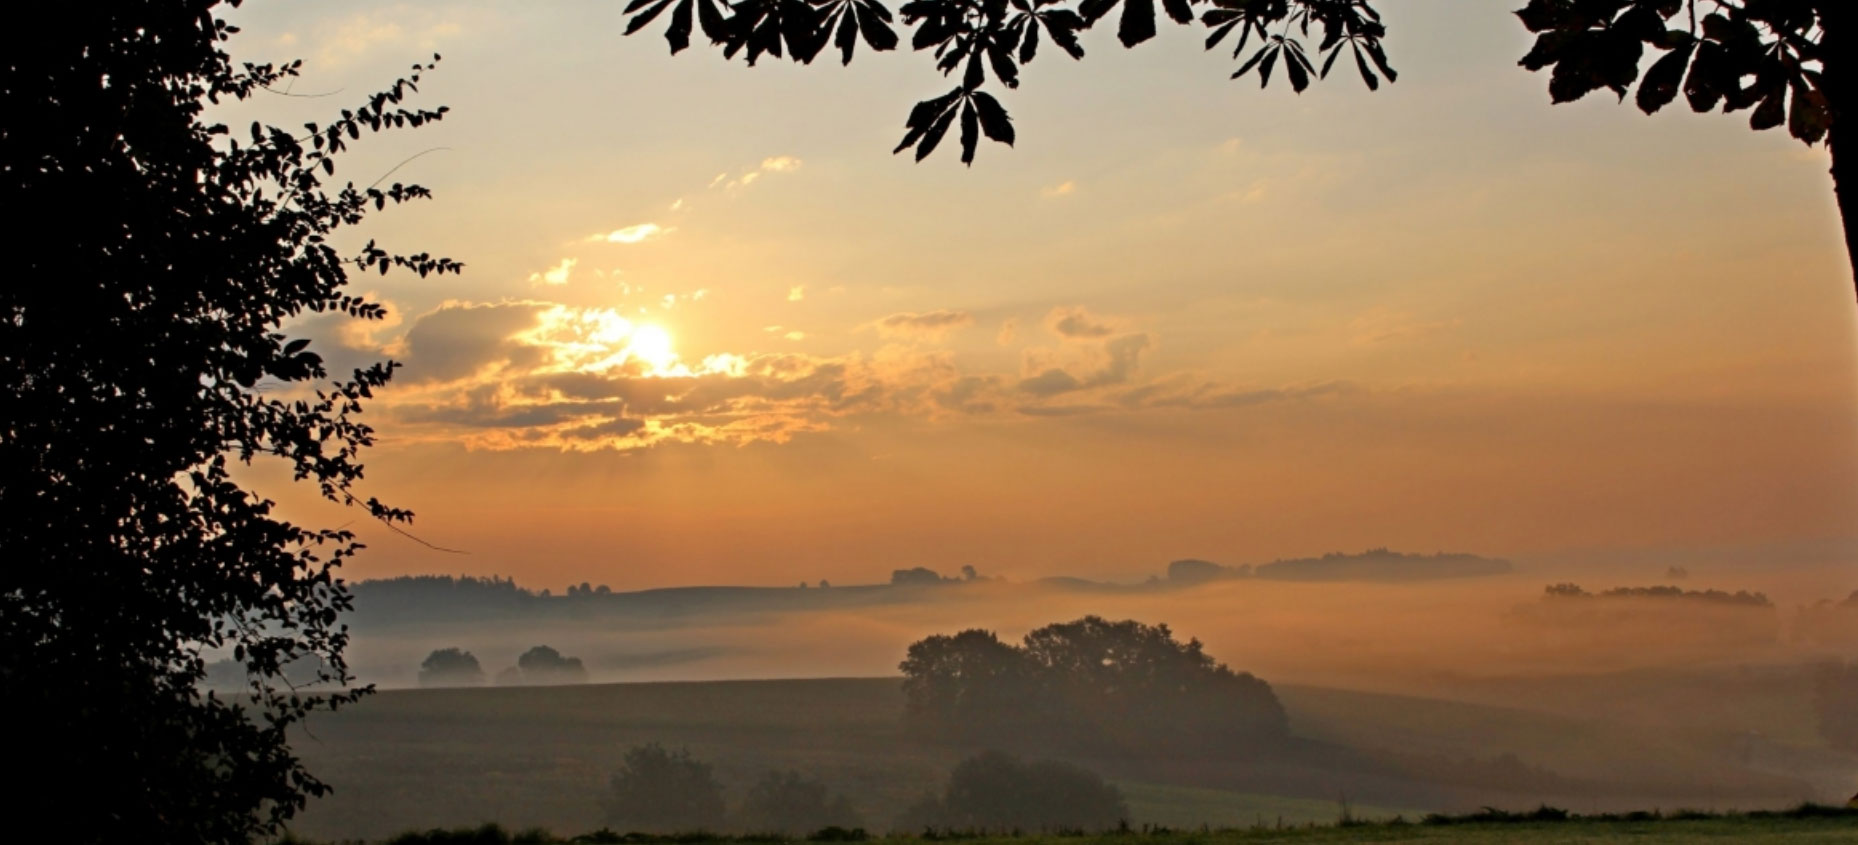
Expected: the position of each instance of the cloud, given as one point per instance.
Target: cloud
(1051, 382)
(1083, 367)
(1008, 330)
(557, 275)
(460, 339)
(929, 325)
(1181, 392)
(637, 233)
(796, 293)
(1065, 188)
(1075, 322)
(745, 178)
(530, 374)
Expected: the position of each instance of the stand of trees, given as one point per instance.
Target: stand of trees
(1087, 686)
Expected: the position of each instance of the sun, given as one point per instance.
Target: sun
(652, 344)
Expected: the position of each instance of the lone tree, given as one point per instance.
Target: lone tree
(544, 665)
(154, 257)
(450, 667)
(1779, 59)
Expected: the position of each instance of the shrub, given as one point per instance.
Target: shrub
(785, 802)
(660, 791)
(998, 792)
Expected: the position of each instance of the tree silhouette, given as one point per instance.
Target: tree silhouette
(450, 667)
(1088, 685)
(787, 803)
(154, 257)
(659, 791)
(995, 792)
(544, 665)
(1784, 60)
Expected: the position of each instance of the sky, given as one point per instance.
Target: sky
(711, 330)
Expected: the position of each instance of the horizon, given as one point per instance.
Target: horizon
(729, 343)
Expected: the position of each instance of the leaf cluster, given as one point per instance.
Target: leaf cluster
(1764, 56)
(988, 42)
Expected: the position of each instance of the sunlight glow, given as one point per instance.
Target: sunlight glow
(652, 345)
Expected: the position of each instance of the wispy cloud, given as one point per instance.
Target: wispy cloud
(1062, 189)
(1075, 322)
(636, 233)
(796, 293)
(929, 325)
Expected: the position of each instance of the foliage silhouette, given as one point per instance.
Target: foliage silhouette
(996, 792)
(1781, 59)
(544, 665)
(993, 38)
(155, 256)
(786, 803)
(1091, 686)
(659, 791)
(1835, 703)
(450, 667)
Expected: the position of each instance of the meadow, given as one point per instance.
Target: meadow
(540, 757)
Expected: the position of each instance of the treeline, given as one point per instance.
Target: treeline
(1671, 616)
(660, 791)
(1740, 598)
(1089, 686)
(1380, 564)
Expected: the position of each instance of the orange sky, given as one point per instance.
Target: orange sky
(711, 331)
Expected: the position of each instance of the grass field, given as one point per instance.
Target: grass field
(540, 757)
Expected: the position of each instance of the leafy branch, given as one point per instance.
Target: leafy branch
(988, 41)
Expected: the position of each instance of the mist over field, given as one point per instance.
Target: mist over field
(1412, 684)
(1393, 635)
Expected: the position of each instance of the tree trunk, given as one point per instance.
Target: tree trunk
(1835, 20)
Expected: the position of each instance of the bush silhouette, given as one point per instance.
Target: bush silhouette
(786, 803)
(997, 792)
(659, 791)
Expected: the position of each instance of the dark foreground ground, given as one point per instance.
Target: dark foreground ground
(541, 756)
